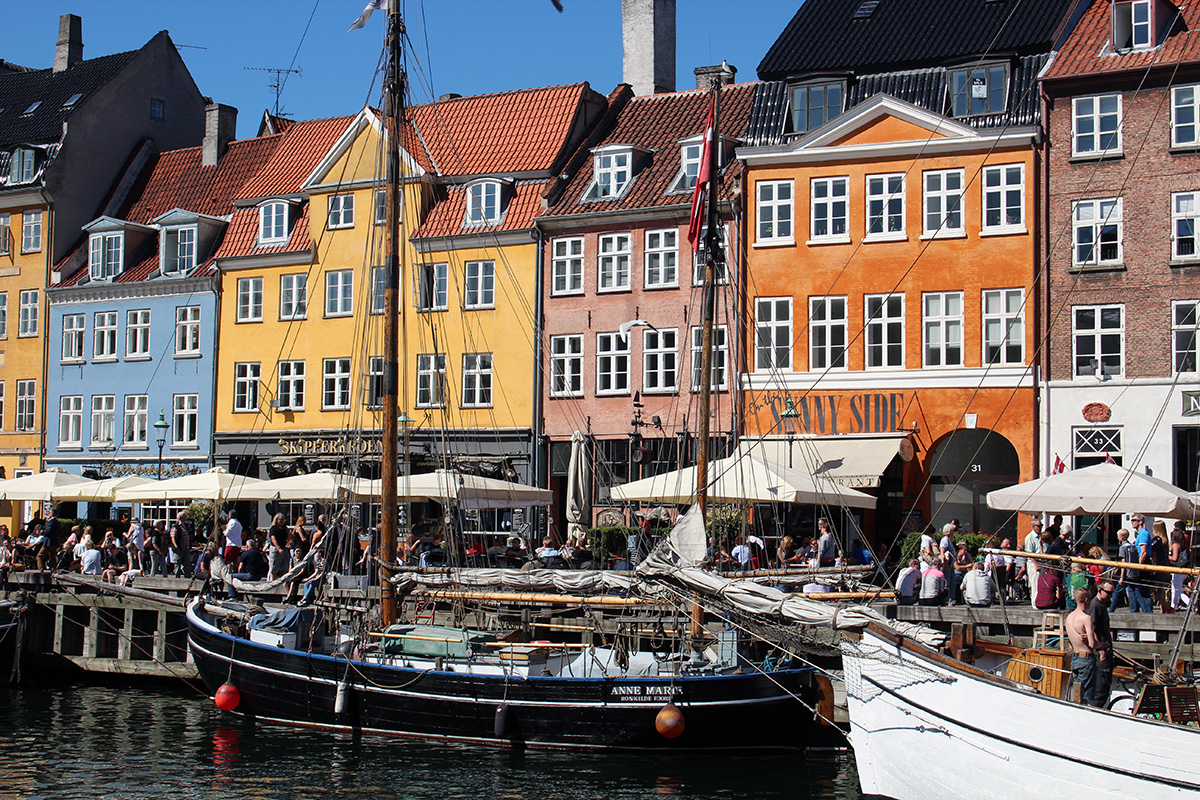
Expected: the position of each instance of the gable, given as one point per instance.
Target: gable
(886, 129)
(358, 157)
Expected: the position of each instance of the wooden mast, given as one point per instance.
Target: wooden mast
(393, 113)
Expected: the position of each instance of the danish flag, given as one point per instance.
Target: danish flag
(703, 178)
(1059, 466)
(1108, 459)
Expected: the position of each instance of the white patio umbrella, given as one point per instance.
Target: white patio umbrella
(1098, 489)
(324, 484)
(469, 491)
(213, 484)
(101, 491)
(743, 479)
(41, 485)
(578, 481)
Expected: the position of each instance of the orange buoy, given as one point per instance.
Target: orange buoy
(228, 697)
(669, 722)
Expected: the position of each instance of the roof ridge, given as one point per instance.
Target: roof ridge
(689, 92)
(579, 85)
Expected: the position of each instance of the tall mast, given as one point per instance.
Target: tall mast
(393, 113)
(712, 258)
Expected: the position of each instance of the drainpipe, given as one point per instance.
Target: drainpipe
(1041, 293)
(44, 325)
(536, 466)
(215, 282)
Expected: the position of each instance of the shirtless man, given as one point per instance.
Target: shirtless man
(1083, 642)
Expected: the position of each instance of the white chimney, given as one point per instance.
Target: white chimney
(648, 36)
(69, 51)
(220, 128)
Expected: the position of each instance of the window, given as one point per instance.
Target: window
(72, 100)
(615, 252)
(1004, 326)
(31, 231)
(433, 287)
(1097, 125)
(136, 419)
(567, 266)
(158, 108)
(3, 315)
(700, 262)
(830, 204)
(1185, 116)
(339, 293)
(431, 380)
(291, 386)
(250, 299)
(273, 223)
(5, 234)
(375, 386)
(21, 167)
(1131, 25)
(137, 333)
(774, 211)
(26, 398)
(885, 206)
(27, 325)
(566, 366)
(827, 333)
(690, 154)
(720, 357)
(106, 254)
(662, 254)
(378, 290)
(1185, 322)
(943, 202)
(186, 420)
(978, 90)
(293, 296)
(245, 386)
(187, 330)
(179, 251)
(1004, 198)
(72, 340)
(660, 360)
(1185, 214)
(483, 203)
(70, 421)
(814, 105)
(612, 173)
(336, 384)
(885, 331)
(1096, 445)
(341, 211)
(477, 380)
(773, 333)
(380, 206)
(104, 411)
(943, 328)
(479, 290)
(1098, 231)
(612, 363)
(104, 336)
(1099, 334)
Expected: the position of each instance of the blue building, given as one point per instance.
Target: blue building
(133, 313)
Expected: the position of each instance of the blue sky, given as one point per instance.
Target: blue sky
(463, 46)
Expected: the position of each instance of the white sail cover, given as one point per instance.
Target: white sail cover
(579, 479)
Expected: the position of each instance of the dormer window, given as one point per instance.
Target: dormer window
(978, 90)
(178, 250)
(814, 104)
(21, 170)
(690, 152)
(273, 223)
(1132, 29)
(107, 251)
(72, 100)
(612, 171)
(483, 203)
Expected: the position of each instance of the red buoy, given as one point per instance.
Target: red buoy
(228, 697)
(669, 722)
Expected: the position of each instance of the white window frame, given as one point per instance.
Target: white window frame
(179, 250)
(828, 320)
(942, 205)
(566, 262)
(614, 259)
(962, 91)
(104, 420)
(335, 384)
(1099, 219)
(246, 377)
(661, 259)
(290, 382)
(690, 152)
(477, 379)
(566, 365)
(829, 209)
(74, 333)
(720, 357)
(273, 223)
(479, 285)
(136, 421)
(1185, 226)
(185, 420)
(1132, 30)
(341, 212)
(137, 333)
(30, 306)
(612, 170)
(3, 315)
(104, 336)
(431, 380)
(250, 299)
(483, 204)
(1089, 115)
(339, 293)
(293, 296)
(373, 390)
(1185, 336)
(1100, 336)
(1003, 199)
(829, 109)
(1003, 313)
(1185, 115)
(21, 168)
(942, 331)
(380, 206)
(775, 217)
(26, 405)
(660, 361)
(772, 334)
(886, 207)
(700, 262)
(433, 287)
(884, 329)
(106, 255)
(378, 290)
(187, 330)
(31, 231)
(5, 233)
(612, 363)
(70, 421)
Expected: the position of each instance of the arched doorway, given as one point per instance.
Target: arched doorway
(963, 467)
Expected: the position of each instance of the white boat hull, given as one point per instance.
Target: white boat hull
(923, 729)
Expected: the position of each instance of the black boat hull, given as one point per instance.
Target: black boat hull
(756, 711)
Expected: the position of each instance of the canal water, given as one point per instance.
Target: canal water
(172, 743)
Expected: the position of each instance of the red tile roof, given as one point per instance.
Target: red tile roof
(242, 233)
(302, 148)
(524, 201)
(1087, 50)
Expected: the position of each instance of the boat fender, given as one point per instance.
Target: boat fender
(669, 721)
(228, 697)
(503, 721)
(339, 702)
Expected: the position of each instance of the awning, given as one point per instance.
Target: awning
(854, 461)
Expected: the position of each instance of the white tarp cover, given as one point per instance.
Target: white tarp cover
(1098, 489)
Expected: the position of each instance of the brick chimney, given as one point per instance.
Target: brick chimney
(648, 37)
(724, 72)
(220, 128)
(69, 51)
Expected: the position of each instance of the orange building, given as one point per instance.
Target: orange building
(890, 257)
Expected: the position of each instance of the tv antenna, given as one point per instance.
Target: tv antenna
(279, 74)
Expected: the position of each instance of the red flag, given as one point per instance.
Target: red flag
(1059, 466)
(1108, 459)
(703, 176)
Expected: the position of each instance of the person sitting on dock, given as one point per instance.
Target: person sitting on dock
(907, 584)
(1049, 590)
(35, 548)
(1083, 642)
(977, 587)
(252, 563)
(92, 561)
(933, 586)
(116, 563)
(741, 553)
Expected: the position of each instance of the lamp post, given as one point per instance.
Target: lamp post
(787, 416)
(160, 436)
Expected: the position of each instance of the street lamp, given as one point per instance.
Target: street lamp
(788, 414)
(160, 435)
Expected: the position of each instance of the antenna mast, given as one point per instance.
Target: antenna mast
(277, 85)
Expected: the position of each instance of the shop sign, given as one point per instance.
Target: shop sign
(1191, 404)
(322, 445)
(831, 414)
